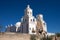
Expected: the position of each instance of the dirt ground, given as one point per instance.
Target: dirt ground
(14, 36)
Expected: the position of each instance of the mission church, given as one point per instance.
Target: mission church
(29, 24)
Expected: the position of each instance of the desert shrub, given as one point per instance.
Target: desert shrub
(33, 37)
(46, 38)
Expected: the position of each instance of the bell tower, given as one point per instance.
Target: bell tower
(29, 21)
(28, 11)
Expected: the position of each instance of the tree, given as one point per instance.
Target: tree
(1, 28)
(58, 34)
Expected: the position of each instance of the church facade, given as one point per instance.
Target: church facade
(30, 24)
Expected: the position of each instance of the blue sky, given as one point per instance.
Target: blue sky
(11, 12)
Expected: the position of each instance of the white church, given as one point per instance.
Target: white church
(29, 24)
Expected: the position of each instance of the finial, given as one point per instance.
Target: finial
(11, 25)
(28, 6)
(8, 25)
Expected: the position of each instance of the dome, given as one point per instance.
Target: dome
(40, 15)
(18, 24)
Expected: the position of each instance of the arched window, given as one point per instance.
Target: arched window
(33, 31)
(30, 13)
(23, 20)
(44, 23)
(30, 28)
(27, 12)
(33, 20)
